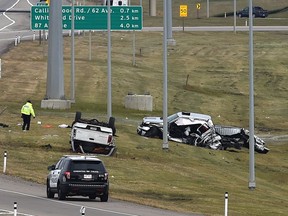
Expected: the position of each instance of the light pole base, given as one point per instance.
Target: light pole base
(171, 41)
(252, 186)
(165, 146)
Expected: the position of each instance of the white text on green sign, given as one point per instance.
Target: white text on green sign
(90, 17)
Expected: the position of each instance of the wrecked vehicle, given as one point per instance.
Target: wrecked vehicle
(239, 137)
(198, 130)
(190, 128)
(93, 136)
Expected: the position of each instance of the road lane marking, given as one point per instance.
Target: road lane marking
(4, 14)
(5, 212)
(66, 203)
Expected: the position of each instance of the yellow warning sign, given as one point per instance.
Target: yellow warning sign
(183, 10)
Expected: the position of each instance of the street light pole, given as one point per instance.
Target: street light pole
(252, 183)
(165, 79)
(234, 26)
(208, 9)
(72, 93)
(109, 82)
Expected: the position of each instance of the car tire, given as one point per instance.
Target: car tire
(92, 197)
(111, 124)
(49, 193)
(104, 197)
(153, 132)
(78, 116)
(61, 194)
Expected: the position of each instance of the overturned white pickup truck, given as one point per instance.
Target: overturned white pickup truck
(93, 136)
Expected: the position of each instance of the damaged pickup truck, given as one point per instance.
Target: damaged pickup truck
(93, 136)
(198, 130)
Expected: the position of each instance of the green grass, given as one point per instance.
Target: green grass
(207, 72)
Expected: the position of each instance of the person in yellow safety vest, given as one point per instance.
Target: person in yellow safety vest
(26, 112)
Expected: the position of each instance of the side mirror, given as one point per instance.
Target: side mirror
(52, 167)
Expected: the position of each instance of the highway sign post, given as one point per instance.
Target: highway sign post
(183, 13)
(198, 7)
(183, 10)
(90, 17)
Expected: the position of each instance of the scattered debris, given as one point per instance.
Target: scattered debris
(64, 126)
(3, 125)
(48, 146)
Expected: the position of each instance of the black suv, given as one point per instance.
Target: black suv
(75, 175)
(257, 12)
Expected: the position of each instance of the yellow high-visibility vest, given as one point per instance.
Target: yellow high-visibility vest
(27, 109)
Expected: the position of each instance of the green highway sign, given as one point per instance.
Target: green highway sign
(123, 18)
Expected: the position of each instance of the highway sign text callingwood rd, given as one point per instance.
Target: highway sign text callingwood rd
(90, 17)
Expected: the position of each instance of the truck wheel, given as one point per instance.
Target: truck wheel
(77, 116)
(111, 124)
(104, 197)
(50, 194)
(153, 132)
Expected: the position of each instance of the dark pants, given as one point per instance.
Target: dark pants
(26, 122)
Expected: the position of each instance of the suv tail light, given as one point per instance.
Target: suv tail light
(106, 176)
(67, 174)
(110, 138)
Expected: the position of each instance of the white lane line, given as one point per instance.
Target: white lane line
(4, 14)
(29, 3)
(66, 203)
(5, 212)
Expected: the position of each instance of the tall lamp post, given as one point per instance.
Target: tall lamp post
(234, 16)
(165, 79)
(109, 82)
(72, 87)
(252, 183)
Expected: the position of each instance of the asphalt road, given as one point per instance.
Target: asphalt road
(16, 24)
(31, 201)
(13, 25)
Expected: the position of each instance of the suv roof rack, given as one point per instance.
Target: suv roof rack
(80, 156)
